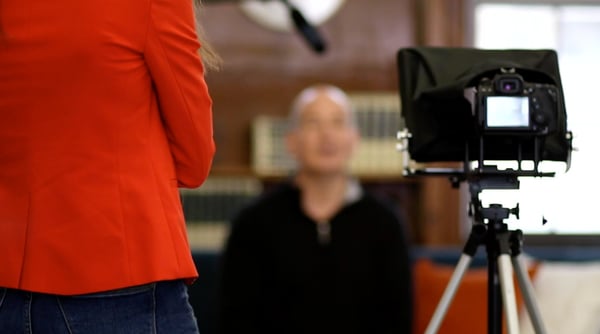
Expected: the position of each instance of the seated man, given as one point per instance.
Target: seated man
(317, 254)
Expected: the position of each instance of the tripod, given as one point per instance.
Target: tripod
(503, 248)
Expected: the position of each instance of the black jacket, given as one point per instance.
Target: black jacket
(278, 276)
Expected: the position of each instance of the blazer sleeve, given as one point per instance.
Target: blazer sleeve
(171, 54)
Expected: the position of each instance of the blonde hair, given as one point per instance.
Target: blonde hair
(209, 55)
(310, 93)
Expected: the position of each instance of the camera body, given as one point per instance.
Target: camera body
(508, 105)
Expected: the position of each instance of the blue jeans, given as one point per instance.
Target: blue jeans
(157, 308)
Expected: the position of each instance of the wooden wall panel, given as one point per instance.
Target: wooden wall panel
(264, 69)
(440, 23)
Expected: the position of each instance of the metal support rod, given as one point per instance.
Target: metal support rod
(449, 292)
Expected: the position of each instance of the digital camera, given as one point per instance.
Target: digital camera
(507, 105)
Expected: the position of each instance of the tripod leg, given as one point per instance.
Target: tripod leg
(527, 291)
(449, 292)
(508, 293)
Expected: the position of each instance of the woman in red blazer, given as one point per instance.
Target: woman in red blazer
(104, 113)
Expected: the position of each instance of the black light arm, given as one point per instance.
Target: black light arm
(303, 27)
(310, 33)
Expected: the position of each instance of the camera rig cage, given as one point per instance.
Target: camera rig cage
(452, 101)
(465, 105)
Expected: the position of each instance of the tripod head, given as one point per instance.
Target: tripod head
(494, 213)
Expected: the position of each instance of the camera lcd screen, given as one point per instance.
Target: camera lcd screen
(507, 112)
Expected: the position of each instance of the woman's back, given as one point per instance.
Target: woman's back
(104, 112)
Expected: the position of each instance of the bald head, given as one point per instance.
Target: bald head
(322, 133)
(312, 94)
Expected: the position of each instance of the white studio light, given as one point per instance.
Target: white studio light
(274, 14)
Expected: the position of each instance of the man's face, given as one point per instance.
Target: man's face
(324, 137)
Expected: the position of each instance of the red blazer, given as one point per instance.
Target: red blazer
(104, 112)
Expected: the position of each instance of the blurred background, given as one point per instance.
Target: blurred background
(266, 62)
